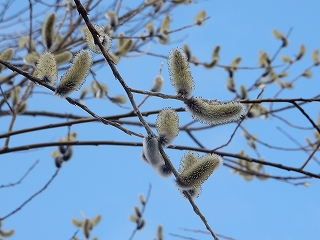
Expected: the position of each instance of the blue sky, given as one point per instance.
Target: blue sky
(107, 179)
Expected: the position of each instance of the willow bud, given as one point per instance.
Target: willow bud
(46, 68)
(281, 36)
(315, 56)
(151, 29)
(6, 55)
(158, 5)
(76, 222)
(199, 171)
(167, 126)
(96, 219)
(141, 224)
(157, 84)
(164, 38)
(231, 85)
(48, 30)
(264, 60)
(301, 53)
(120, 99)
(99, 89)
(151, 151)
(165, 25)
(15, 95)
(75, 76)
(243, 92)
(307, 73)
(180, 74)
(124, 48)
(86, 227)
(103, 38)
(187, 51)
(112, 17)
(31, 58)
(214, 113)
(63, 57)
(24, 42)
(199, 18)
(235, 63)
(160, 233)
(7, 233)
(286, 59)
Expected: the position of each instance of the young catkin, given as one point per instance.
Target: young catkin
(123, 49)
(76, 74)
(6, 55)
(151, 151)
(103, 38)
(188, 160)
(151, 29)
(46, 68)
(199, 18)
(48, 30)
(31, 58)
(196, 173)
(180, 74)
(157, 84)
(167, 126)
(112, 17)
(210, 113)
(165, 25)
(63, 57)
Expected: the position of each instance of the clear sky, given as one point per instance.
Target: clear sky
(107, 179)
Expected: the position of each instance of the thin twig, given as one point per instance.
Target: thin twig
(32, 196)
(22, 178)
(307, 116)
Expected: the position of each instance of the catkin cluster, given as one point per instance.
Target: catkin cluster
(202, 110)
(194, 170)
(86, 224)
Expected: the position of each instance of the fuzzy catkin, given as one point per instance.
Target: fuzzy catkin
(123, 49)
(180, 74)
(48, 30)
(6, 55)
(214, 113)
(188, 160)
(76, 74)
(103, 38)
(63, 57)
(198, 172)
(112, 17)
(157, 84)
(151, 151)
(46, 68)
(167, 126)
